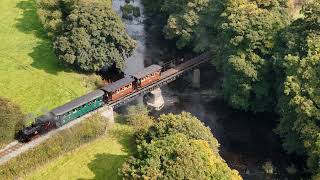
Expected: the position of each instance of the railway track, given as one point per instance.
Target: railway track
(12, 147)
(15, 148)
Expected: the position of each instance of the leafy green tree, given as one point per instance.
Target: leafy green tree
(299, 105)
(184, 17)
(181, 18)
(93, 37)
(177, 157)
(11, 120)
(52, 14)
(183, 123)
(245, 42)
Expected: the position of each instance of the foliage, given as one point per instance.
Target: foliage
(11, 120)
(299, 104)
(268, 167)
(99, 159)
(246, 41)
(183, 123)
(53, 13)
(94, 37)
(128, 10)
(184, 17)
(177, 157)
(50, 15)
(138, 117)
(59, 144)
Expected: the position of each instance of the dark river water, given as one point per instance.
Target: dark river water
(247, 140)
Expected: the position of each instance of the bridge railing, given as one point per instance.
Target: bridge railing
(175, 62)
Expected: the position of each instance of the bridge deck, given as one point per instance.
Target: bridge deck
(167, 76)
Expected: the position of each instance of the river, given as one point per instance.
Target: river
(247, 140)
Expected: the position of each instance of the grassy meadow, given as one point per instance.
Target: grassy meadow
(99, 159)
(30, 74)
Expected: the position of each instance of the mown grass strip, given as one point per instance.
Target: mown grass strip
(99, 159)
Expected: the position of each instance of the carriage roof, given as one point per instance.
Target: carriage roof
(118, 84)
(146, 71)
(77, 102)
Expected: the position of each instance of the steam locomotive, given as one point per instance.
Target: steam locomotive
(90, 102)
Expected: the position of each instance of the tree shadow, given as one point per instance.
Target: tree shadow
(105, 166)
(42, 55)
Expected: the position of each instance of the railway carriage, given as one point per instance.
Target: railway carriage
(147, 76)
(91, 101)
(78, 107)
(118, 89)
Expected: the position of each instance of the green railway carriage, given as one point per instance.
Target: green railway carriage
(78, 107)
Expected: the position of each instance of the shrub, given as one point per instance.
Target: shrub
(177, 157)
(138, 118)
(11, 120)
(65, 141)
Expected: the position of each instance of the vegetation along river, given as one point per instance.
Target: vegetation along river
(247, 140)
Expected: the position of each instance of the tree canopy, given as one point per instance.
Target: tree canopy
(183, 123)
(177, 157)
(93, 37)
(247, 36)
(299, 104)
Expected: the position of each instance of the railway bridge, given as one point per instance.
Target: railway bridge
(170, 72)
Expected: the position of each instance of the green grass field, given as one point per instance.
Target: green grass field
(99, 159)
(29, 71)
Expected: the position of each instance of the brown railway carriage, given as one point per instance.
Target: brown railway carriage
(118, 89)
(147, 76)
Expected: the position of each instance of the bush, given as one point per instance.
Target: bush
(63, 142)
(177, 157)
(11, 120)
(94, 37)
(138, 118)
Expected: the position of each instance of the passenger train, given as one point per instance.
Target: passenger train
(90, 102)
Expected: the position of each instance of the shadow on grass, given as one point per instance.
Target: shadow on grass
(105, 166)
(42, 55)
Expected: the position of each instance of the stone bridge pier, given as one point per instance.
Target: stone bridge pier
(156, 101)
(107, 112)
(196, 78)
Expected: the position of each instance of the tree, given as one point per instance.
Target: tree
(177, 157)
(11, 120)
(299, 104)
(245, 42)
(93, 37)
(53, 13)
(183, 123)
(184, 17)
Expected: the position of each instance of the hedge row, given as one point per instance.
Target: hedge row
(65, 141)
